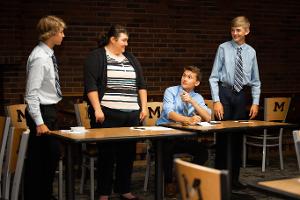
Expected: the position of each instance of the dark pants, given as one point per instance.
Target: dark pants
(42, 157)
(121, 153)
(234, 105)
(182, 146)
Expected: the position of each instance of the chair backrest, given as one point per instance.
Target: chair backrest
(154, 111)
(199, 182)
(17, 114)
(14, 161)
(276, 108)
(4, 128)
(210, 104)
(296, 135)
(82, 115)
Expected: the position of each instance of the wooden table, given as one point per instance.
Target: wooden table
(232, 127)
(117, 134)
(283, 187)
(125, 133)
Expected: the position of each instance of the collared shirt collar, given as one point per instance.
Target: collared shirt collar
(181, 90)
(45, 47)
(235, 45)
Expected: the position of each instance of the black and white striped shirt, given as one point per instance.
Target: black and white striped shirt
(121, 90)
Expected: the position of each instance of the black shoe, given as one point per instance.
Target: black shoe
(238, 186)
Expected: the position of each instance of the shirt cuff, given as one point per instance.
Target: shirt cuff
(216, 98)
(256, 101)
(39, 121)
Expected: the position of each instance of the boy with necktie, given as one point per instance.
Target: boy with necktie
(182, 104)
(235, 69)
(43, 92)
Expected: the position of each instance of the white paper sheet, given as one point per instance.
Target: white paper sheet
(150, 128)
(204, 124)
(74, 132)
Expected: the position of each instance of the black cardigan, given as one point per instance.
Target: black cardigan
(95, 72)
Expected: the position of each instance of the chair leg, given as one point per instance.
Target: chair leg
(267, 157)
(148, 168)
(82, 175)
(215, 138)
(263, 167)
(92, 178)
(244, 150)
(7, 187)
(60, 180)
(280, 149)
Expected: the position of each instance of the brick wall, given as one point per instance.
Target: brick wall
(164, 35)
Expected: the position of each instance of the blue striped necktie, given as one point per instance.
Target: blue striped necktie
(185, 109)
(238, 74)
(57, 85)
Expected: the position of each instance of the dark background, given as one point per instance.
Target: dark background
(164, 35)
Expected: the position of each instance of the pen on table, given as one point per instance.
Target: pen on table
(139, 128)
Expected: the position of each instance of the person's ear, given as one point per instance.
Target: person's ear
(113, 39)
(247, 31)
(197, 83)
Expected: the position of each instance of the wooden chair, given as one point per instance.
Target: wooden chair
(82, 115)
(14, 161)
(210, 104)
(275, 109)
(4, 127)
(199, 182)
(154, 111)
(89, 151)
(212, 141)
(17, 114)
(296, 135)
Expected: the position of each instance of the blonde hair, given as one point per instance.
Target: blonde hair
(49, 26)
(240, 21)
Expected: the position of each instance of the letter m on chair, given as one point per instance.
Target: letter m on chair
(275, 109)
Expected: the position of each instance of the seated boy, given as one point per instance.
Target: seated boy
(183, 105)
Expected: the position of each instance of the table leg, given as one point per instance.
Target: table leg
(158, 171)
(69, 173)
(229, 161)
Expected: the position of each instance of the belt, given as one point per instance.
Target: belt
(226, 85)
(47, 105)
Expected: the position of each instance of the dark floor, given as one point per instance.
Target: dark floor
(250, 174)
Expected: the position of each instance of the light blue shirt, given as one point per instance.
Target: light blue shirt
(40, 87)
(224, 68)
(172, 103)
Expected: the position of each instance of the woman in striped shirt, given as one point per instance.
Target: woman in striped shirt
(116, 90)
